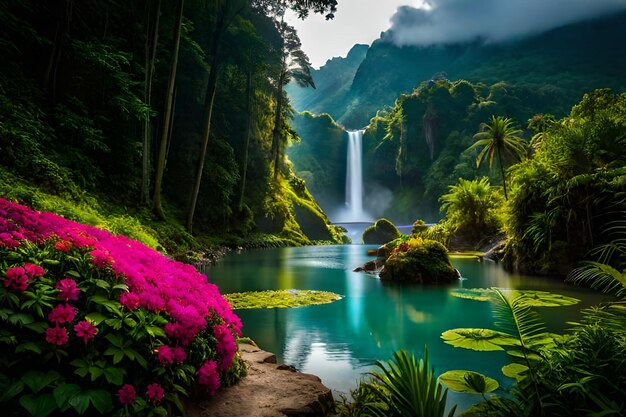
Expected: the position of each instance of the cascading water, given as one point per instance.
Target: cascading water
(354, 177)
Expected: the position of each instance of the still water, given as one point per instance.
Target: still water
(340, 341)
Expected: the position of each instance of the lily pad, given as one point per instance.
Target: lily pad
(469, 382)
(478, 294)
(279, 298)
(546, 299)
(515, 370)
(478, 339)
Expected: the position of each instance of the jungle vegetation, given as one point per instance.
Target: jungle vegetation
(169, 113)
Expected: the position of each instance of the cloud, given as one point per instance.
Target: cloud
(450, 21)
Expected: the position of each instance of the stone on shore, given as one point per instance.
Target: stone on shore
(269, 390)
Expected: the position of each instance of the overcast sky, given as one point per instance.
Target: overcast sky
(426, 22)
(356, 21)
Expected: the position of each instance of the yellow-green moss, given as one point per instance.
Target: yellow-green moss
(279, 298)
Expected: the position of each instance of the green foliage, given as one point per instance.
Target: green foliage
(403, 386)
(471, 207)
(279, 298)
(418, 227)
(419, 261)
(468, 382)
(564, 198)
(382, 231)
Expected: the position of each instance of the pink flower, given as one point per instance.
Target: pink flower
(86, 330)
(207, 376)
(63, 313)
(101, 258)
(179, 354)
(16, 278)
(68, 289)
(57, 335)
(34, 271)
(129, 300)
(166, 355)
(126, 394)
(226, 346)
(155, 393)
(63, 246)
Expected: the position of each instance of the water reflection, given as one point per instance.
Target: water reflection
(340, 341)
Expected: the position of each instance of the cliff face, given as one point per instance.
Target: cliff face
(332, 82)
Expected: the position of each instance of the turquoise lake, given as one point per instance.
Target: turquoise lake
(340, 341)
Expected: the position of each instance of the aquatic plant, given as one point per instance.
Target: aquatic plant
(89, 316)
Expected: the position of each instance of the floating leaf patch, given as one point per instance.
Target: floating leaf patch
(546, 299)
(478, 294)
(514, 370)
(478, 339)
(469, 382)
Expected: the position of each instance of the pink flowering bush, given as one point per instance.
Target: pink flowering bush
(94, 323)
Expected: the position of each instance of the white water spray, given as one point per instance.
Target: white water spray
(354, 177)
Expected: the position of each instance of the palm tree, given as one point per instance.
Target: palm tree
(497, 138)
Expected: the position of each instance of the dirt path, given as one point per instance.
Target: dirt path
(269, 390)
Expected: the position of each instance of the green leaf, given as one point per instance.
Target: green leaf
(118, 356)
(478, 294)
(63, 393)
(38, 327)
(39, 406)
(14, 389)
(96, 318)
(33, 347)
(155, 331)
(116, 340)
(21, 319)
(122, 287)
(514, 370)
(95, 372)
(36, 380)
(101, 400)
(114, 376)
(519, 353)
(469, 382)
(102, 284)
(72, 273)
(478, 339)
(80, 402)
(159, 411)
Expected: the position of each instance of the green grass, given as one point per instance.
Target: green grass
(279, 298)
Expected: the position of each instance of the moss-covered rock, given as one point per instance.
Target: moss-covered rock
(381, 232)
(419, 261)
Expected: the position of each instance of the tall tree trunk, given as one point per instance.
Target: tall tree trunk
(208, 101)
(276, 131)
(247, 142)
(61, 34)
(169, 102)
(152, 36)
(502, 172)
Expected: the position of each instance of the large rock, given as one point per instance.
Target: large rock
(381, 232)
(269, 390)
(425, 263)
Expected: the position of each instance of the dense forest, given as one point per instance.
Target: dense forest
(122, 115)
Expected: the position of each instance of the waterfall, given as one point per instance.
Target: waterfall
(354, 176)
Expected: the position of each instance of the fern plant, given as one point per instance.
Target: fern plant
(402, 386)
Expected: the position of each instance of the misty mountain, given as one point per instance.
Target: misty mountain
(563, 63)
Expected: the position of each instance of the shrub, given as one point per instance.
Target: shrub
(381, 232)
(419, 261)
(94, 322)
